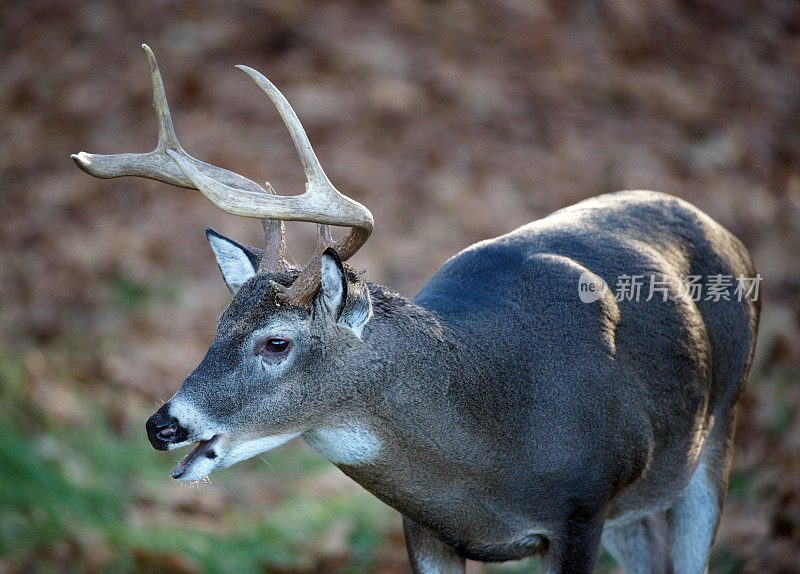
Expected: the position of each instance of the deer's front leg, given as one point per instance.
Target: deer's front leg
(575, 550)
(428, 554)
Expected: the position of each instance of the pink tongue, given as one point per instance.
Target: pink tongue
(181, 467)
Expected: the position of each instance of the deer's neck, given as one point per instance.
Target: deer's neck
(413, 351)
(419, 377)
(415, 421)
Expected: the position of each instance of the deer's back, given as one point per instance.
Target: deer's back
(550, 367)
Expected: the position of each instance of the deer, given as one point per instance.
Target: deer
(499, 413)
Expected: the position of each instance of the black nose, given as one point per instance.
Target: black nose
(163, 430)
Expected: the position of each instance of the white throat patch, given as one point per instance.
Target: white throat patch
(344, 445)
(251, 448)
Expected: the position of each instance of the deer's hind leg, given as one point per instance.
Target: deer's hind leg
(694, 517)
(640, 546)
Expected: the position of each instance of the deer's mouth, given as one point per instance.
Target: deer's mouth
(221, 451)
(202, 458)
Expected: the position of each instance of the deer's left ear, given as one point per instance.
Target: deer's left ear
(343, 296)
(237, 262)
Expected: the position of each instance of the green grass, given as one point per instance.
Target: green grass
(77, 494)
(127, 294)
(43, 503)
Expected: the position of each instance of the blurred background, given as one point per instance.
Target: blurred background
(452, 121)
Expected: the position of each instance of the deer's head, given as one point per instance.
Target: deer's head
(274, 369)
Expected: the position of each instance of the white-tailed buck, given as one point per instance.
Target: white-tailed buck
(501, 411)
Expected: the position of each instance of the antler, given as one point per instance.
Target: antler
(321, 202)
(273, 261)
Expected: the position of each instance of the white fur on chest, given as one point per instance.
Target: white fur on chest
(349, 444)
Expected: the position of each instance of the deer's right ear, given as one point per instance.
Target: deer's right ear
(237, 262)
(343, 296)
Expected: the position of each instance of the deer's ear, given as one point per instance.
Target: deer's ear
(237, 262)
(343, 296)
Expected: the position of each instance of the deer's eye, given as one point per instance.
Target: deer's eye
(273, 346)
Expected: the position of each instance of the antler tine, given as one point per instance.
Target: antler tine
(316, 180)
(156, 164)
(324, 239)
